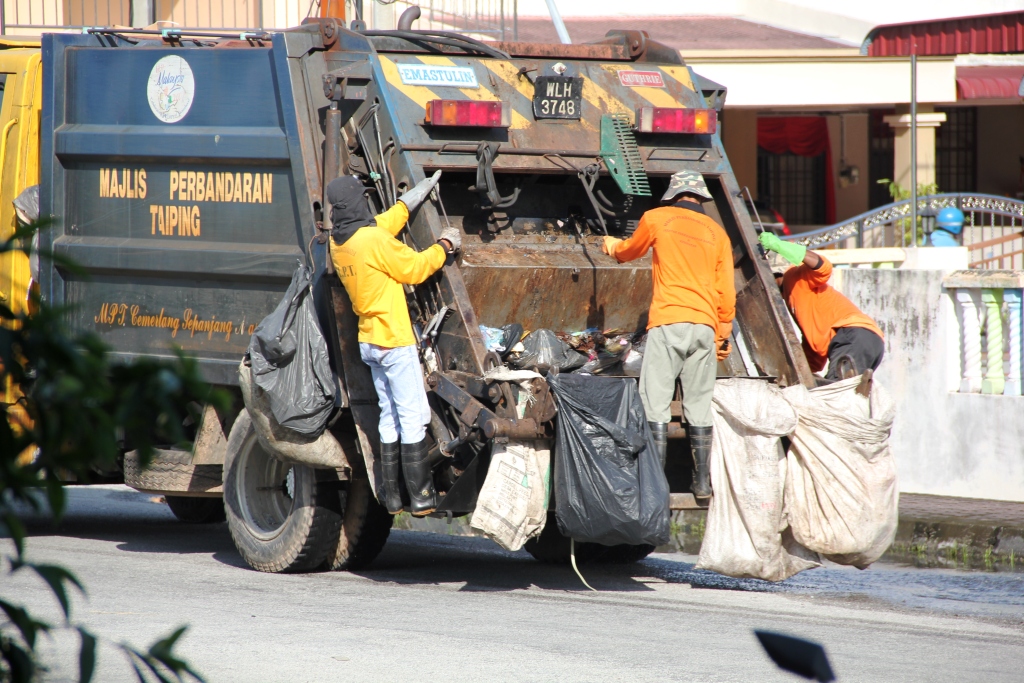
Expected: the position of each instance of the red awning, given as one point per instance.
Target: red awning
(989, 82)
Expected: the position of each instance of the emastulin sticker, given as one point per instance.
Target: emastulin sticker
(171, 89)
(430, 75)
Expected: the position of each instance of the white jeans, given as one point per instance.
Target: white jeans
(398, 379)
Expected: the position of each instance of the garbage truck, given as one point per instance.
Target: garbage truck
(185, 173)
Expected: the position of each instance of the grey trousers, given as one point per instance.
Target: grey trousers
(686, 351)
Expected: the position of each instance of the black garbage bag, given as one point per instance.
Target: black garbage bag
(290, 363)
(544, 350)
(605, 363)
(610, 487)
(26, 205)
(510, 336)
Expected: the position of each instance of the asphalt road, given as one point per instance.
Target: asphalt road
(446, 608)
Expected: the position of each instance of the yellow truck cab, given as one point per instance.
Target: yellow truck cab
(20, 102)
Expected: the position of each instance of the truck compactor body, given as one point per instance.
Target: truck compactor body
(185, 173)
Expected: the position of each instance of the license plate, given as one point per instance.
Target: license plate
(557, 97)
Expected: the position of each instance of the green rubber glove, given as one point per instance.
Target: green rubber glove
(794, 253)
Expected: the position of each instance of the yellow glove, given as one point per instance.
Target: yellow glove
(722, 349)
(609, 244)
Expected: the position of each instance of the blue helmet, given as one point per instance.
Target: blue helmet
(951, 219)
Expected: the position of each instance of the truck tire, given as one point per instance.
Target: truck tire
(191, 510)
(279, 518)
(171, 471)
(626, 554)
(364, 531)
(553, 548)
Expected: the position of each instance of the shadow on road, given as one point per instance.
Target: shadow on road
(140, 523)
(134, 522)
(414, 557)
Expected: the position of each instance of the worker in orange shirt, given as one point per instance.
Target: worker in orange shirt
(691, 314)
(373, 265)
(834, 329)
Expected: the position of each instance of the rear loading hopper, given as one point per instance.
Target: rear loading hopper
(544, 149)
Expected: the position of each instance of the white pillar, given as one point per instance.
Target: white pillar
(143, 13)
(927, 122)
(1012, 297)
(995, 380)
(382, 17)
(970, 343)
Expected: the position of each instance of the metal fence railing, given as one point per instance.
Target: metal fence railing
(993, 228)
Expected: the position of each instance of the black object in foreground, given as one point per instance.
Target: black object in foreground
(609, 482)
(802, 657)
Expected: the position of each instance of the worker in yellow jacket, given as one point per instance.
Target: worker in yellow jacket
(373, 265)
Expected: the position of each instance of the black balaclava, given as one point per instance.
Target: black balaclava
(349, 209)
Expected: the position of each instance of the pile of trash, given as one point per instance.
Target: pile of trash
(601, 430)
(591, 351)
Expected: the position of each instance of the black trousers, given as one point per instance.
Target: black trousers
(862, 345)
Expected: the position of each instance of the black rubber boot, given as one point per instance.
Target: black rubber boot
(418, 478)
(391, 474)
(700, 447)
(659, 430)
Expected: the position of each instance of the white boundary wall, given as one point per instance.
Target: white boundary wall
(945, 443)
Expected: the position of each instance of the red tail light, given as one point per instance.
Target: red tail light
(468, 113)
(669, 120)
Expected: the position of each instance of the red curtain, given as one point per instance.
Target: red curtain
(806, 136)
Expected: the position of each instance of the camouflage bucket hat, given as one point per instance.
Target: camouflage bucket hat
(686, 181)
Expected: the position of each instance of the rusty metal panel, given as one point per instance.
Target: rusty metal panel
(760, 311)
(556, 51)
(358, 381)
(556, 286)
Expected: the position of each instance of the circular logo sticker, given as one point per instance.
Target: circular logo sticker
(171, 89)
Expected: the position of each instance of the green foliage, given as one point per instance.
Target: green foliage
(899, 194)
(79, 410)
(160, 662)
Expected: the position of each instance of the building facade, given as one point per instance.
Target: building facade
(813, 122)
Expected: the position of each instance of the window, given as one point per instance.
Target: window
(956, 150)
(882, 157)
(792, 185)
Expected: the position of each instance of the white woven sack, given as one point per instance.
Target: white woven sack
(513, 503)
(841, 492)
(746, 532)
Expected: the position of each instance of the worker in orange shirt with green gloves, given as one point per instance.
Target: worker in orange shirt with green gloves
(373, 265)
(834, 329)
(691, 314)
